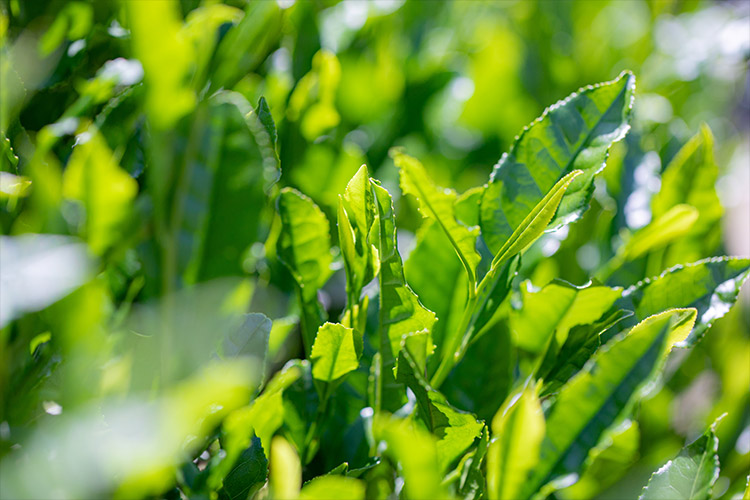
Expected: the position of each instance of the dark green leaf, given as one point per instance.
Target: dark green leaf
(691, 475)
(575, 133)
(249, 473)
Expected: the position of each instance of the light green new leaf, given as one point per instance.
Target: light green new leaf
(415, 451)
(592, 401)
(456, 430)
(401, 313)
(518, 430)
(690, 476)
(439, 204)
(336, 352)
(304, 247)
(575, 133)
(711, 286)
(555, 309)
(285, 477)
(535, 222)
(669, 226)
(356, 215)
(332, 487)
(690, 178)
(166, 58)
(106, 191)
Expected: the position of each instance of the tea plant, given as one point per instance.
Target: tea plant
(147, 325)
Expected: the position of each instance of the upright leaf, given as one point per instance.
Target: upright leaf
(401, 312)
(518, 429)
(336, 352)
(415, 451)
(439, 204)
(575, 133)
(106, 191)
(285, 476)
(592, 401)
(456, 430)
(691, 475)
(304, 247)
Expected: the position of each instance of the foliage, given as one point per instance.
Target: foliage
(256, 250)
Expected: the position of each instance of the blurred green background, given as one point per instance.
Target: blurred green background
(452, 82)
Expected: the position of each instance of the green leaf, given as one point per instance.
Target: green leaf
(222, 203)
(285, 476)
(471, 485)
(456, 430)
(555, 309)
(251, 338)
(245, 45)
(690, 178)
(166, 58)
(330, 487)
(500, 273)
(304, 247)
(261, 418)
(249, 473)
(336, 352)
(562, 362)
(711, 286)
(607, 462)
(439, 204)
(592, 401)
(518, 430)
(356, 216)
(575, 133)
(669, 226)
(106, 191)
(401, 312)
(691, 475)
(23, 288)
(415, 451)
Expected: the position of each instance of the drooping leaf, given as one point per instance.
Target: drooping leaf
(575, 133)
(332, 487)
(401, 312)
(518, 429)
(304, 247)
(336, 352)
(439, 204)
(691, 475)
(592, 401)
(94, 179)
(711, 286)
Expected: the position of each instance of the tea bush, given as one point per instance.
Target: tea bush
(254, 251)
